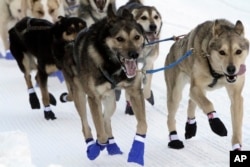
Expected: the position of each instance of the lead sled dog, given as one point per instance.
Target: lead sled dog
(103, 58)
(218, 60)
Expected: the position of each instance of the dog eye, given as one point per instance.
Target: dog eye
(51, 11)
(144, 18)
(221, 52)
(40, 12)
(238, 52)
(137, 37)
(156, 17)
(120, 39)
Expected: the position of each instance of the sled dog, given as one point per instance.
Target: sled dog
(11, 13)
(218, 60)
(44, 9)
(150, 19)
(35, 43)
(103, 58)
(93, 10)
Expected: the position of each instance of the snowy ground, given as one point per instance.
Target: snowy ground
(26, 139)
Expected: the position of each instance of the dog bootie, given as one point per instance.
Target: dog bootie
(151, 98)
(113, 148)
(34, 102)
(52, 99)
(129, 109)
(190, 129)
(136, 153)
(48, 114)
(63, 97)
(216, 125)
(9, 55)
(175, 143)
(236, 147)
(94, 148)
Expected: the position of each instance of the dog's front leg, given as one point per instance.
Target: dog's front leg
(109, 103)
(197, 94)
(236, 98)
(136, 153)
(94, 148)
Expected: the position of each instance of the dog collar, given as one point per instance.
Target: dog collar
(214, 74)
(108, 77)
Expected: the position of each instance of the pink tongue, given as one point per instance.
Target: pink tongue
(242, 69)
(130, 67)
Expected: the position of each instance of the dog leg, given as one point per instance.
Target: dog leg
(191, 127)
(109, 103)
(34, 101)
(42, 81)
(199, 97)
(136, 153)
(236, 98)
(102, 138)
(175, 85)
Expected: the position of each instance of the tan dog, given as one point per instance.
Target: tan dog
(44, 9)
(11, 12)
(150, 20)
(103, 58)
(218, 60)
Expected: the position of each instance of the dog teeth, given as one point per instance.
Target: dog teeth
(231, 79)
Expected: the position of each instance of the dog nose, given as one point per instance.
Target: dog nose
(152, 27)
(231, 69)
(133, 54)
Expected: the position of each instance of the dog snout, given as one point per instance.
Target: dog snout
(152, 27)
(231, 69)
(133, 54)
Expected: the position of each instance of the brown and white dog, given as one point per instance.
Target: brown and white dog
(150, 20)
(44, 9)
(11, 12)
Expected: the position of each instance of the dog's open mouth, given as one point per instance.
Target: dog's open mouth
(233, 78)
(151, 36)
(129, 67)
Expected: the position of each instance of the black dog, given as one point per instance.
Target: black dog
(36, 44)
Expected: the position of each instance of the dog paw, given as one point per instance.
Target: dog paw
(117, 95)
(236, 147)
(52, 99)
(8, 55)
(113, 148)
(94, 148)
(63, 97)
(190, 130)
(216, 124)
(175, 143)
(151, 98)
(136, 153)
(129, 109)
(49, 115)
(34, 102)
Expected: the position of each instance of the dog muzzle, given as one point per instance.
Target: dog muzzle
(233, 78)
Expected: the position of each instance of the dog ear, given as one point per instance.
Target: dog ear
(127, 14)
(239, 28)
(217, 30)
(110, 13)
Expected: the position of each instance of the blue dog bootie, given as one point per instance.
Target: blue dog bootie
(94, 148)
(136, 153)
(113, 148)
(8, 55)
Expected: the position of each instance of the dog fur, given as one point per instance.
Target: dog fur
(44, 9)
(94, 10)
(71, 7)
(104, 58)
(150, 19)
(218, 60)
(35, 44)
(11, 13)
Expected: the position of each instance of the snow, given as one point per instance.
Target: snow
(27, 139)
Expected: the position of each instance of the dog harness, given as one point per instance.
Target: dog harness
(214, 74)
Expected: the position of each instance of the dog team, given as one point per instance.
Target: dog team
(98, 47)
